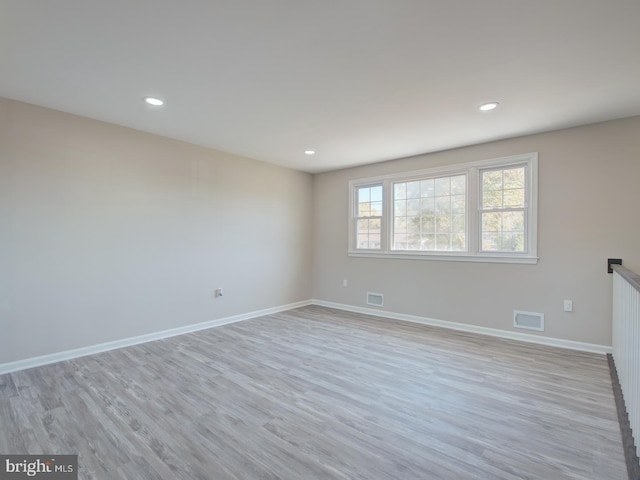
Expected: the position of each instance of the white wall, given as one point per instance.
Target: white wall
(589, 195)
(108, 233)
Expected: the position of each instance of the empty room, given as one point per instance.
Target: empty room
(297, 240)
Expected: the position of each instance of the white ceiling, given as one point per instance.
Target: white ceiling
(359, 81)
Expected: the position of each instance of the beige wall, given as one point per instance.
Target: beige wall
(589, 196)
(108, 233)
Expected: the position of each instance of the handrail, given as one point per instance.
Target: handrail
(631, 277)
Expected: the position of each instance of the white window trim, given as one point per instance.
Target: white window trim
(473, 254)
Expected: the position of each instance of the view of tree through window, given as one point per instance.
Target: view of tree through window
(481, 211)
(369, 217)
(430, 214)
(503, 210)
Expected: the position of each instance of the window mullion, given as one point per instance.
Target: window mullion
(473, 212)
(387, 212)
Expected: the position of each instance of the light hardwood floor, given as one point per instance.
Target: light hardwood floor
(316, 393)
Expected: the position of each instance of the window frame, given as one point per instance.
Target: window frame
(473, 233)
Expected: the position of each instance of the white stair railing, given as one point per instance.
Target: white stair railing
(626, 342)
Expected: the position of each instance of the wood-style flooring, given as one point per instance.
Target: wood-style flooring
(316, 393)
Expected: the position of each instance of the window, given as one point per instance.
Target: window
(503, 209)
(369, 217)
(429, 214)
(479, 211)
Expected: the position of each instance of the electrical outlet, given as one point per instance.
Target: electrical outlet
(345, 283)
(218, 292)
(568, 306)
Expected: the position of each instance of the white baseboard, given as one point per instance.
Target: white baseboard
(127, 342)
(494, 332)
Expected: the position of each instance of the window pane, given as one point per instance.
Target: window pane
(492, 199)
(458, 224)
(443, 186)
(491, 222)
(413, 207)
(399, 191)
(458, 185)
(413, 242)
(400, 208)
(374, 241)
(376, 194)
(443, 224)
(364, 194)
(413, 189)
(400, 225)
(514, 198)
(363, 226)
(492, 180)
(427, 188)
(457, 242)
(443, 205)
(428, 224)
(428, 206)
(491, 242)
(376, 209)
(413, 226)
(400, 242)
(428, 242)
(512, 242)
(443, 242)
(458, 203)
(513, 221)
(514, 178)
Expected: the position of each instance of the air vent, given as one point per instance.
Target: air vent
(528, 320)
(375, 299)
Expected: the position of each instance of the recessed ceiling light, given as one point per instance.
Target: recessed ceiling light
(156, 102)
(485, 107)
(309, 152)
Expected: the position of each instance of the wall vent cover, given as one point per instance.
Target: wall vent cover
(528, 320)
(375, 299)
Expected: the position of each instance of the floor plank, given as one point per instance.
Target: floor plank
(316, 393)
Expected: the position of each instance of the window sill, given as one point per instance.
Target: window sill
(449, 257)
